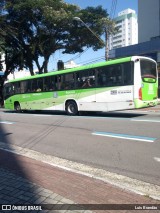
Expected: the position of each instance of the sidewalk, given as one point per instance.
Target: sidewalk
(151, 109)
(28, 181)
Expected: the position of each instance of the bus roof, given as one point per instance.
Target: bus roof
(84, 67)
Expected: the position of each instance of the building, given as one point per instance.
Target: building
(127, 34)
(148, 20)
(148, 33)
(70, 64)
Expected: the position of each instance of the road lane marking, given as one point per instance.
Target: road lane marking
(143, 120)
(6, 122)
(124, 136)
(41, 115)
(157, 159)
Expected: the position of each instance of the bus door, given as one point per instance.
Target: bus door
(36, 94)
(50, 91)
(65, 90)
(85, 90)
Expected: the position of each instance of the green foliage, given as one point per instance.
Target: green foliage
(39, 28)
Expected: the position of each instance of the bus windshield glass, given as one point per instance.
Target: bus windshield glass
(148, 71)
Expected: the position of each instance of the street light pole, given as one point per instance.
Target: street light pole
(106, 45)
(102, 42)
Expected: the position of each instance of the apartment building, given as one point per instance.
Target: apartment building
(148, 20)
(127, 34)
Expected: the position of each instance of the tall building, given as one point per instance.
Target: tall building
(148, 20)
(127, 34)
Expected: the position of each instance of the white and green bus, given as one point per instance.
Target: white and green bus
(126, 83)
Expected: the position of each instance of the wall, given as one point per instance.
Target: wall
(148, 19)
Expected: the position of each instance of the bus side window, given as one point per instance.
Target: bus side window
(46, 84)
(87, 78)
(127, 73)
(60, 82)
(17, 88)
(68, 81)
(39, 85)
(50, 83)
(79, 81)
(29, 86)
(34, 85)
(8, 90)
(24, 86)
(102, 77)
(99, 78)
(118, 75)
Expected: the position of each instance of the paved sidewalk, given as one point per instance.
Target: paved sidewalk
(27, 181)
(151, 109)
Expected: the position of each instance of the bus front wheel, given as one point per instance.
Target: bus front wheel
(71, 108)
(17, 107)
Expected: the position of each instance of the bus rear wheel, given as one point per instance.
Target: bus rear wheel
(71, 108)
(17, 107)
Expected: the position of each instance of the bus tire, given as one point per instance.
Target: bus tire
(17, 107)
(71, 108)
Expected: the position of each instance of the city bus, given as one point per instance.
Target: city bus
(119, 84)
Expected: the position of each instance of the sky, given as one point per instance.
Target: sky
(91, 56)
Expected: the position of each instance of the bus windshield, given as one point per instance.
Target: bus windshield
(148, 71)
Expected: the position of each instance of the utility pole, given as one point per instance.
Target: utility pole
(106, 45)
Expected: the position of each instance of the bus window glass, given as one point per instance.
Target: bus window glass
(128, 73)
(109, 76)
(17, 87)
(50, 83)
(67, 81)
(115, 75)
(24, 86)
(85, 79)
(8, 90)
(148, 70)
(37, 85)
(29, 86)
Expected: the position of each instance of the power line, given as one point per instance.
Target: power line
(75, 57)
(112, 15)
(95, 60)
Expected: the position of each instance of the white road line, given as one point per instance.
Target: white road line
(157, 159)
(141, 120)
(41, 115)
(6, 122)
(124, 136)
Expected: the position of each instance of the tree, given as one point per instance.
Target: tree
(41, 27)
(109, 29)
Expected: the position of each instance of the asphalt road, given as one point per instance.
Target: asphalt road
(126, 143)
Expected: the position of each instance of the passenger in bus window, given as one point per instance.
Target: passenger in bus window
(79, 83)
(87, 83)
